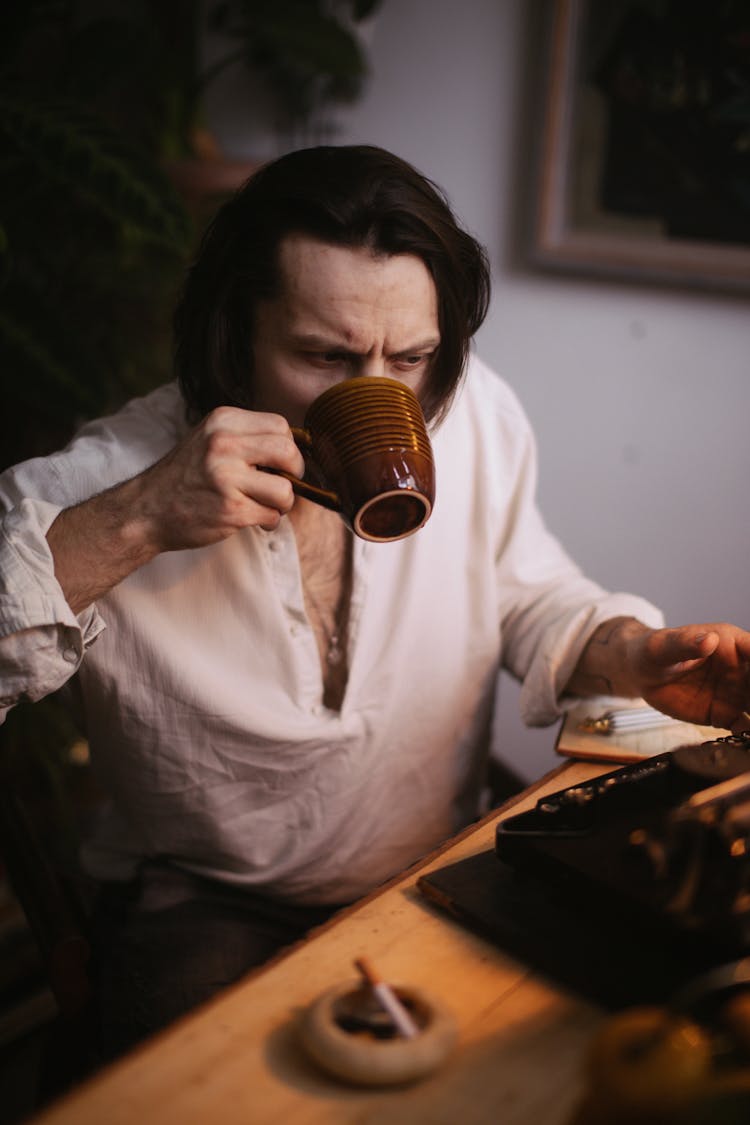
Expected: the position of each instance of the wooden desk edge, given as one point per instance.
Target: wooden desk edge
(406, 880)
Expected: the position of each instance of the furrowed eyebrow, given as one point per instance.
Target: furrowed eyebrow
(329, 343)
(326, 343)
(423, 346)
(314, 343)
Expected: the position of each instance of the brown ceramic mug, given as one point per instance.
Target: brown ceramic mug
(368, 457)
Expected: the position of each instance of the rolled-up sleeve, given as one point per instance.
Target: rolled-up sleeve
(549, 609)
(42, 641)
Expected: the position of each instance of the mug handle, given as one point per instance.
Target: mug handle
(323, 496)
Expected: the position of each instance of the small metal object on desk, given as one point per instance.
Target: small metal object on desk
(625, 721)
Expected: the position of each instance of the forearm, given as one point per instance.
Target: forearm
(204, 490)
(607, 665)
(98, 543)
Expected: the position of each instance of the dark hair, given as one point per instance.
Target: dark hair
(347, 195)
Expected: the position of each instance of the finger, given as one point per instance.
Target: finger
(257, 511)
(259, 438)
(739, 726)
(702, 644)
(235, 419)
(678, 650)
(272, 492)
(728, 639)
(273, 451)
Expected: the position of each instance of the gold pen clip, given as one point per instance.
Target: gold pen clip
(601, 725)
(624, 721)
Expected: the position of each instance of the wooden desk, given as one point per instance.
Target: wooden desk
(236, 1060)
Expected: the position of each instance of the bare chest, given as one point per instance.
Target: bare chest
(324, 548)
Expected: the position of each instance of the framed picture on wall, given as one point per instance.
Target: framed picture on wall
(645, 162)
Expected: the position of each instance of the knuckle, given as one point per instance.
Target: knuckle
(220, 417)
(235, 511)
(219, 443)
(221, 481)
(284, 453)
(277, 424)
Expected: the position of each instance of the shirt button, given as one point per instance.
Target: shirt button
(70, 655)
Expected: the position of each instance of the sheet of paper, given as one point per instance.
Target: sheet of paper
(629, 746)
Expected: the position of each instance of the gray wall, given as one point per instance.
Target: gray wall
(640, 395)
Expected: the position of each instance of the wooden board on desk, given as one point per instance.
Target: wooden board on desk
(631, 746)
(575, 937)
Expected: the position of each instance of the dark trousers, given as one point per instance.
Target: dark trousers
(168, 941)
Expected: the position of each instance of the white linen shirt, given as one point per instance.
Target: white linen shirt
(200, 679)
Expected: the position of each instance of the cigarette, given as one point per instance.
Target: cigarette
(388, 1000)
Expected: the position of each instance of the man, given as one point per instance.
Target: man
(282, 715)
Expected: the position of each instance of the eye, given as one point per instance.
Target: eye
(407, 362)
(326, 359)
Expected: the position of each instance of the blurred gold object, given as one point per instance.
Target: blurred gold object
(655, 1066)
(625, 721)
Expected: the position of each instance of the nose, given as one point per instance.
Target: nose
(371, 365)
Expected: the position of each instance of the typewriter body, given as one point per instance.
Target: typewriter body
(666, 839)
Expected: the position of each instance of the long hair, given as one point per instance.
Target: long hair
(357, 196)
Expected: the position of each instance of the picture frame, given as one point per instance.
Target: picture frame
(644, 172)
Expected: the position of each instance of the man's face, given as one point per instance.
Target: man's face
(340, 313)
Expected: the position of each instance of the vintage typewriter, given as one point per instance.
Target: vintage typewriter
(665, 841)
(624, 888)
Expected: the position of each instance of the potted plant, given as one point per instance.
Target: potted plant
(94, 109)
(100, 118)
(310, 55)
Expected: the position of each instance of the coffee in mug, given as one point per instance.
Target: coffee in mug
(368, 457)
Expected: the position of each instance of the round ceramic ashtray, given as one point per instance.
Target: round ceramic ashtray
(348, 1033)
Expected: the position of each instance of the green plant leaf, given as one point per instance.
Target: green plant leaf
(33, 373)
(307, 51)
(80, 154)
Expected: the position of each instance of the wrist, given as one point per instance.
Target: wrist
(129, 514)
(612, 660)
(99, 542)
